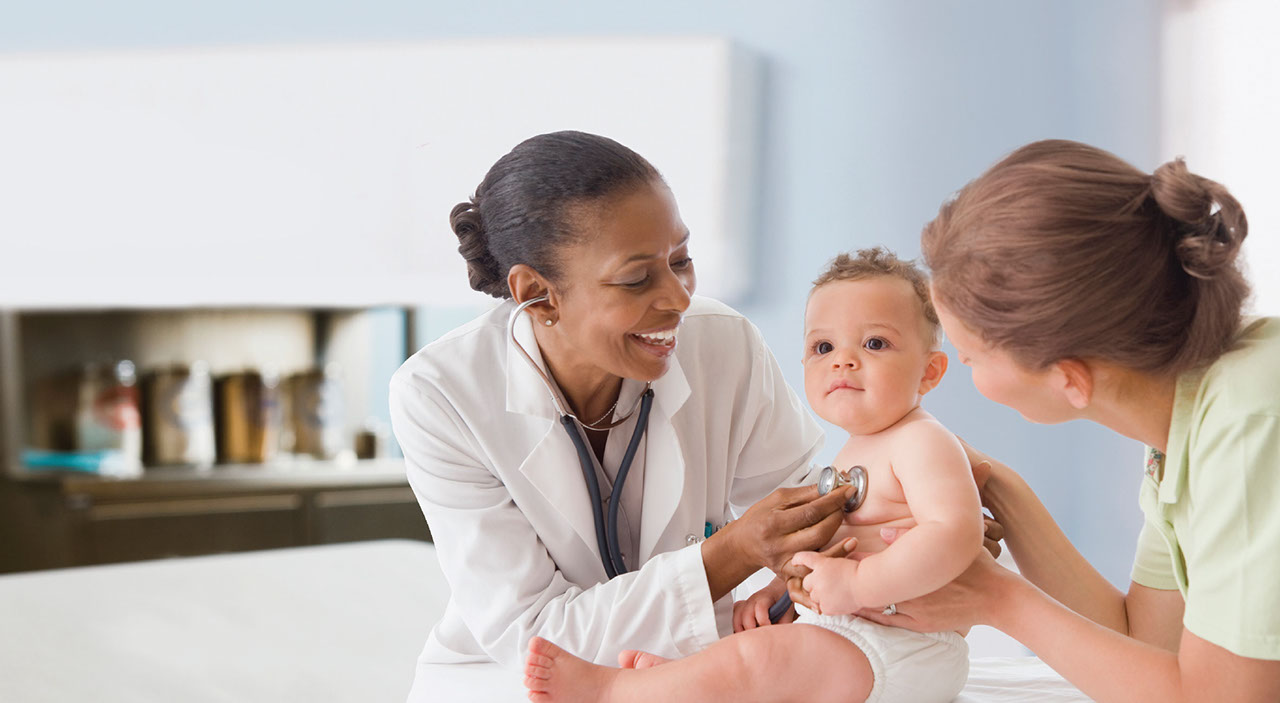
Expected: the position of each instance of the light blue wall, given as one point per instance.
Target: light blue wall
(875, 112)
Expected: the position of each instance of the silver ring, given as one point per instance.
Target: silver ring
(891, 609)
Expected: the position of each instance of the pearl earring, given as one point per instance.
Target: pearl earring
(548, 322)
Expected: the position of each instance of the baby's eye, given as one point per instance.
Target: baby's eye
(824, 347)
(876, 344)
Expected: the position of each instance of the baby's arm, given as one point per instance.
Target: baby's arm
(933, 470)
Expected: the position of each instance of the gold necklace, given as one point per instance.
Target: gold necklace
(607, 414)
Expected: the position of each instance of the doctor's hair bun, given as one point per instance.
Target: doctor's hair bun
(1209, 224)
(482, 268)
(1065, 251)
(524, 210)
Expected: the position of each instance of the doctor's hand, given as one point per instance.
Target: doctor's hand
(787, 521)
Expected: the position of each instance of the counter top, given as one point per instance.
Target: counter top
(295, 475)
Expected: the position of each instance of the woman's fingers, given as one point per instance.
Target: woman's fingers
(981, 463)
(898, 619)
(994, 530)
(993, 533)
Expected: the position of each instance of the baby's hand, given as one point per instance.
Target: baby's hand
(754, 611)
(829, 584)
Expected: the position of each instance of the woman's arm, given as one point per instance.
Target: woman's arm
(1106, 665)
(1048, 559)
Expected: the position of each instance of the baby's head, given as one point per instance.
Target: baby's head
(872, 341)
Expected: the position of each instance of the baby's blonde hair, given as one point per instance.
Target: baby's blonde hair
(878, 261)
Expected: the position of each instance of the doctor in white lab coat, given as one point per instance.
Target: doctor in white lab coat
(591, 226)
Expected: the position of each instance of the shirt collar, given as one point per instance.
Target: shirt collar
(1177, 454)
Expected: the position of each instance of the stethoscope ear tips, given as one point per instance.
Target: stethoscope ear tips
(831, 478)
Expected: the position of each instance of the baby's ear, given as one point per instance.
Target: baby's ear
(934, 370)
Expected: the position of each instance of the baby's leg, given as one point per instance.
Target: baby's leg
(798, 663)
(636, 659)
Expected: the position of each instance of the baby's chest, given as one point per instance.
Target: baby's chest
(885, 499)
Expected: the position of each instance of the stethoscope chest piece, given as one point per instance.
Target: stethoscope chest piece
(831, 478)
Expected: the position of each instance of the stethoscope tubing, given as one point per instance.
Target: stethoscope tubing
(607, 532)
(615, 495)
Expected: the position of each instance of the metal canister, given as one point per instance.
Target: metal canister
(177, 416)
(248, 418)
(316, 412)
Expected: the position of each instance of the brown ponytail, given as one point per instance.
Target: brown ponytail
(1063, 250)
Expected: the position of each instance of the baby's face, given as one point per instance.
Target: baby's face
(867, 346)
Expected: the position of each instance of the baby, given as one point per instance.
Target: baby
(872, 344)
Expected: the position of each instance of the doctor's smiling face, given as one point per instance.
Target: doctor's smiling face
(624, 283)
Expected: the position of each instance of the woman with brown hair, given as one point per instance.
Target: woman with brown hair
(1077, 286)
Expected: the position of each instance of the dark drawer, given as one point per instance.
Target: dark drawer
(186, 527)
(363, 514)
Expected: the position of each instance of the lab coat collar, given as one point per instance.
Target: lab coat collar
(552, 465)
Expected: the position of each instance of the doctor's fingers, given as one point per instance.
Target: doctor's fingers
(799, 596)
(814, 536)
(761, 614)
(790, 497)
(798, 517)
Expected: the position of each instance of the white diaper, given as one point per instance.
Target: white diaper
(909, 667)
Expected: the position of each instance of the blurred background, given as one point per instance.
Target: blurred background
(225, 224)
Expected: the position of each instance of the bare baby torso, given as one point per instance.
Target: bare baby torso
(886, 503)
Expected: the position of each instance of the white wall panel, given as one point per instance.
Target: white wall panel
(323, 175)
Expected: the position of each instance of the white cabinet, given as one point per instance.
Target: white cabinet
(321, 176)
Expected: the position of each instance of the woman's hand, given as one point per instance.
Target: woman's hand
(754, 611)
(971, 599)
(787, 521)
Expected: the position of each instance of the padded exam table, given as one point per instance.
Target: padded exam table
(332, 623)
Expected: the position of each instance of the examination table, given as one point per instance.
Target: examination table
(332, 623)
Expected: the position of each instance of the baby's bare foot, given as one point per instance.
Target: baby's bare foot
(552, 674)
(636, 659)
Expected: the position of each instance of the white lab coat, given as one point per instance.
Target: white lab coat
(500, 485)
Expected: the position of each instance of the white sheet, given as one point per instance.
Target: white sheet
(991, 680)
(333, 623)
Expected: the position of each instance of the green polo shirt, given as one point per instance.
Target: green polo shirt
(1212, 501)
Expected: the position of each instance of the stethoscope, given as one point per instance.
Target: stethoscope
(606, 533)
(829, 480)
